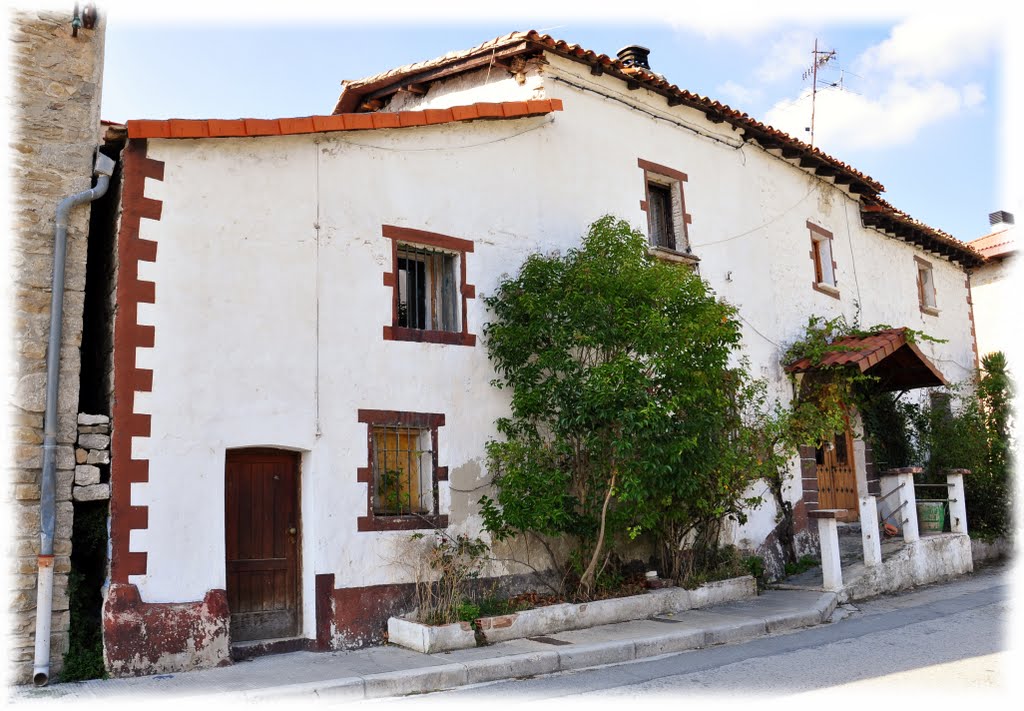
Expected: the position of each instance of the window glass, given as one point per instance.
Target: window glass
(402, 470)
(427, 289)
(823, 262)
(659, 207)
(925, 286)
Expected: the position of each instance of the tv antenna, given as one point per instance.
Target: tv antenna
(820, 59)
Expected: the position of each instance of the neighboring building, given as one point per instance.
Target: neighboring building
(56, 72)
(299, 380)
(996, 300)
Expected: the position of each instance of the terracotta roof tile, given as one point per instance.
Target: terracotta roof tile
(998, 244)
(224, 128)
(908, 369)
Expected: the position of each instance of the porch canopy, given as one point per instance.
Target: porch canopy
(888, 355)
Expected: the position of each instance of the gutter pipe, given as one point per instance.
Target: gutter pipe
(103, 169)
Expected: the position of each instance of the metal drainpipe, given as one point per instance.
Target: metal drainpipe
(103, 169)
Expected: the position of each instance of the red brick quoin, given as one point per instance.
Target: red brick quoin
(138, 637)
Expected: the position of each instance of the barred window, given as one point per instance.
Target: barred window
(427, 289)
(403, 471)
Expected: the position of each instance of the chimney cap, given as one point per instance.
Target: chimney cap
(1000, 217)
(634, 55)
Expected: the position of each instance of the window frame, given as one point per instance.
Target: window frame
(931, 309)
(819, 237)
(671, 179)
(458, 248)
(425, 421)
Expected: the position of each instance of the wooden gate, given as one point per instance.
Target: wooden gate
(261, 531)
(837, 476)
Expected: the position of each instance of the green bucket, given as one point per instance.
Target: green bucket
(931, 516)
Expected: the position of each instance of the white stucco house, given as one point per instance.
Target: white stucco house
(298, 318)
(993, 286)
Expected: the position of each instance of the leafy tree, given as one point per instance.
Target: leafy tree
(623, 402)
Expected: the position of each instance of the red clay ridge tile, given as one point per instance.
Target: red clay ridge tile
(411, 118)
(438, 116)
(225, 128)
(262, 127)
(180, 128)
(512, 109)
(465, 113)
(488, 110)
(358, 122)
(148, 129)
(329, 123)
(296, 125)
(385, 119)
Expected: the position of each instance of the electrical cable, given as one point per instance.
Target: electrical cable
(629, 104)
(443, 148)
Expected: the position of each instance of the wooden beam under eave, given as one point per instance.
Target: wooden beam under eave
(674, 101)
(714, 117)
(387, 87)
(632, 84)
(596, 69)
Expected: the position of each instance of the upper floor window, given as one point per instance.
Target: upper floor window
(926, 287)
(429, 289)
(824, 265)
(664, 203)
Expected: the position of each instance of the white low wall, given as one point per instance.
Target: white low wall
(927, 560)
(566, 616)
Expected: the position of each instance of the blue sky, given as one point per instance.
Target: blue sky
(920, 110)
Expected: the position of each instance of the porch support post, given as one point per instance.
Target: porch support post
(903, 479)
(869, 530)
(828, 538)
(957, 500)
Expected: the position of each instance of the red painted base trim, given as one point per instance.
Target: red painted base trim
(350, 618)
(141, 638)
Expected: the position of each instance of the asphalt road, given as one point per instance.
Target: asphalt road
(942, 642)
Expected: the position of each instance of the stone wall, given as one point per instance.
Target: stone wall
(55, 81)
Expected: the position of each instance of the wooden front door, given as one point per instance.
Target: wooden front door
(837, 476)
(262, 535)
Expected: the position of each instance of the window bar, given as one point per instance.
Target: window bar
(408, 468)
(435, 316)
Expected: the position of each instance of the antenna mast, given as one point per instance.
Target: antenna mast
(819, 59)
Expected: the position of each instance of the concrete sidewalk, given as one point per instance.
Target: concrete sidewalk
(393, 671)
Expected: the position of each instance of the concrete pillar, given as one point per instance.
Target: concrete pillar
(957, 500)
(869, 531)
(903, 480)
(828, 537)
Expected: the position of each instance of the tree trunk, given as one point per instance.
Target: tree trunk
(587, 579)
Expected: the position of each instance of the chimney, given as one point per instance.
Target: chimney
(635, 56)
(1000, 218)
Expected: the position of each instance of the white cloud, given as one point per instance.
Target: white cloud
(847, 122)
(932, 46)
(787, 57)
(737, 95)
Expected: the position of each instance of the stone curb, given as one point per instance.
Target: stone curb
(579, 656)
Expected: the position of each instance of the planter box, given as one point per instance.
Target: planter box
(566, 616)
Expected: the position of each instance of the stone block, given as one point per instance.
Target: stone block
(592, 655)
(26, 492)
(94, 441)
(81, 455)
(94, 429)
(98, 456)
(414, 681)
(84, 419)
(86, 474)
(93, 492)
(517, 665)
